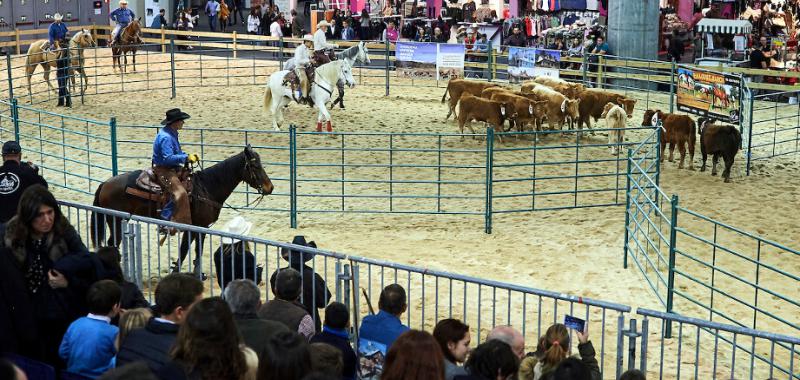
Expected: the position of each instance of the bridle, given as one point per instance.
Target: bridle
(250, 166)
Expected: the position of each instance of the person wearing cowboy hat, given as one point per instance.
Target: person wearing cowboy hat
(303, 68)
(315, 293)
(233, 259)
(57, 32)
(123, 16)
(321, 43)
(168, 161)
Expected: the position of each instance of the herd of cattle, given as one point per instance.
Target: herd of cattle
(560, 102)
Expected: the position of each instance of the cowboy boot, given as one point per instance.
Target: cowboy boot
(319, 126)
(328, 126)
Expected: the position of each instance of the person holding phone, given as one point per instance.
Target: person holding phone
(555, 347)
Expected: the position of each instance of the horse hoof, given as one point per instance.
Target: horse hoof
(713, 173)
(727, 180)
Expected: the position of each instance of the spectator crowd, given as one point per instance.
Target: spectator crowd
(67, 311)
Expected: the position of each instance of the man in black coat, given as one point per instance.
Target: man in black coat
(315, 292)
(175, 294)
(62, 74)
(15, 177)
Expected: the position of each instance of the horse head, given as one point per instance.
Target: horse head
(83, 39)
(346, 73)
(254, 174)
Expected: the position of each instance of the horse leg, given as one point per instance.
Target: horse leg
(325, 116)
(28, 73)
(198, 255)
(183, 250)
(134, 60)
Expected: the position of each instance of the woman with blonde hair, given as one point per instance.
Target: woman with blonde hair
(554, 348)
(131, 320)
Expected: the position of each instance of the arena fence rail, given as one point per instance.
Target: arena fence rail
(399, 173)
(709, 349)
(190, 60)
(774, 130)
(433, 295)
(697, 271)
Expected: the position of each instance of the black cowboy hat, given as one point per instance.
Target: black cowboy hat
(291, 255)
(174, 115)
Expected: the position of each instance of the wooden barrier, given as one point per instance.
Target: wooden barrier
(237, 42)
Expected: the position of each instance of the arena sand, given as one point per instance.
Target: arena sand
(570, 251)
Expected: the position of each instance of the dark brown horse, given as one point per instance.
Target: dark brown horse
(129, 40)
(211, 187)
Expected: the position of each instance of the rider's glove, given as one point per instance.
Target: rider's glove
(193, 158)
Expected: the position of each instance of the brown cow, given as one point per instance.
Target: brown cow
(527, 111)
(719, 140)
(676, 130)
(487, 111)
(594, 100)
(570, 90)
(457, 87)
(559, 108)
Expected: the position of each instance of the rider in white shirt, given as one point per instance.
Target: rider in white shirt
(302, 61)
(321, 43)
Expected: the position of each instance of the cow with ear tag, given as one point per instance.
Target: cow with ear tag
(560, 108)
(492, 112)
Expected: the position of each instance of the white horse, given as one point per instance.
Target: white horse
(355, 54)
(277, 96)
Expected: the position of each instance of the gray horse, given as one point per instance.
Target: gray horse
(356, 53)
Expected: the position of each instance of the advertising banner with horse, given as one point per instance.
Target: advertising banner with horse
(709, 94)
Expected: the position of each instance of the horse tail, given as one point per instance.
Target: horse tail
(267, 99)
(97, 227)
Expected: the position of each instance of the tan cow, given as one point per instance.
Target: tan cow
(559, 107)
(457, 87)
(615, 122)
(487, 111)
(593, 101)
(570, 90)
(528, 111)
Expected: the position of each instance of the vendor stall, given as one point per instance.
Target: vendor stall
(723, 41)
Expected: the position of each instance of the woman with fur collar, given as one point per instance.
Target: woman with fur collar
(45, 270)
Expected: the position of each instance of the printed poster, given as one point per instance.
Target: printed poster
(371, 356)
(416, 59)
(450, 61)
(709, 94)
(528, 63)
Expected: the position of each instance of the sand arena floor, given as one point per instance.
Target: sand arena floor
(570, 251)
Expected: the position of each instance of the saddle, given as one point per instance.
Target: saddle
(144, 184)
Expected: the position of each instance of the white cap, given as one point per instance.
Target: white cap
(57, 17)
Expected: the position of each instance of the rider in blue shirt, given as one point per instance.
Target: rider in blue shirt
(122, 16)
(168, 160)
(57, 31)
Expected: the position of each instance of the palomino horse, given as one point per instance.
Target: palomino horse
(37, 56)
(354, 54)
(129, 41)
(276, 96)
(211, 187)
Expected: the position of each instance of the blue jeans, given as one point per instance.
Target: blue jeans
(212, 22)
(167, 210)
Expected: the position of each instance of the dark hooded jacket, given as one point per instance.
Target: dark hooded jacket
(22, 311)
